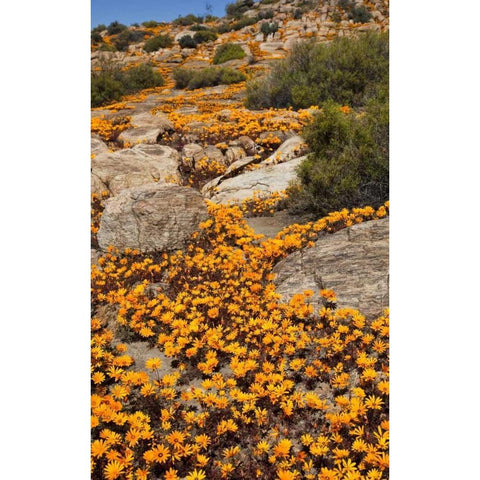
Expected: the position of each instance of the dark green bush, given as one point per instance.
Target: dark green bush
(105, 89)
(228, 51)
(224, 28)
(210, 18)
(187, 20)
(150, 24)
(141, 77)
(207, 77)
(187, 42)
(243, 22)
(160, 41)
(198, 27)
(115, 28)
(96, 38)
(111, 83)
(268, 2)
(204, 36)
(268, 28)
(347, 70)
(126, 38)
(360, 14)
(265, 14)
(238, 8)
(348, 166)
(99, 28)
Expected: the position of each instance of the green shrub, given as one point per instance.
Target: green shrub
(111, 83)
(223, 28)
(203, 36)
(187, 42)
(268, 2)
(160, 41)
(99, 28)
(210, 18)
(115, 28)
(348, 166)
(141, 77)
(360, 14)
(96, 38)
(126, 38)
(150, 24)
(268, 28)
(107, 48)
(265, 14)
(228, 51)
(243, 22)
(182, 77)
(198, 28)
(347, 70)
(238, 8)
(187, 20)
(207, 77)
(105, 89)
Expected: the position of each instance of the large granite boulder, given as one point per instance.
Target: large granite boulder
(147, 128)
(353, 262)
(97, 145)
(153, 217)
(132, 167)
(264, 181)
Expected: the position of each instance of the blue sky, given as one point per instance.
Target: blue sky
(138, 11)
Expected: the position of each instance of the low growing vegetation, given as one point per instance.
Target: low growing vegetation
(256, 410)
(207, 77)
(348, 71)
(160, 41)
(228, 51)
(111, 83)
(349, 164)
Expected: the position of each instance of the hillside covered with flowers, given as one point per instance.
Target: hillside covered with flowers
(222, 147)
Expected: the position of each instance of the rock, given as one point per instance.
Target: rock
(97, 145)
(148, 128)
(273, 178)
(134, 136)
(270, 226)
(224, 115)
(153, 217)
(239, 165)
(292, 148)
(191, 153)
(132, 167)
(214, 153)
(247, 144)
(352, 262)
(233, 154)
(146, 119)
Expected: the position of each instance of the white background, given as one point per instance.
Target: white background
(45, 222)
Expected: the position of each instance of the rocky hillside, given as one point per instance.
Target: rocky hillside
(225, 337)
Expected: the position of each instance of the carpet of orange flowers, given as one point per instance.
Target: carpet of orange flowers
(245, 385)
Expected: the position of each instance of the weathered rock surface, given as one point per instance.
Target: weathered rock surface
(294, 147)
(152, 217)
(147, 128)
(133, 167)
(353, 262)
(97, 145)
(270, 226)
(273, 178)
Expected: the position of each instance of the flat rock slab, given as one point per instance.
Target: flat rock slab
(352, 262)
(264, 181)
(270, 226)
(153, 217)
